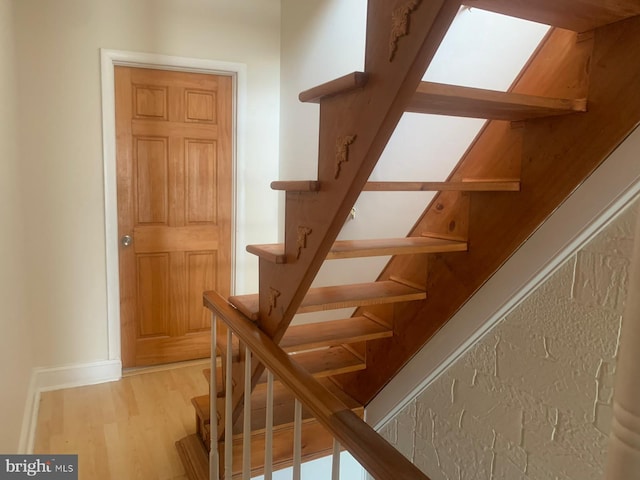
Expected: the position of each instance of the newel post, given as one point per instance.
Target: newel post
(623, 461)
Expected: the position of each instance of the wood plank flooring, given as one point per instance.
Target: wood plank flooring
(126, 429)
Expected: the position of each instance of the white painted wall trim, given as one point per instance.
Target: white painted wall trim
(606, 192)
(56, 378)
(109, 59)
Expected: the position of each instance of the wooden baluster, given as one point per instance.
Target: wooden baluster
(623, 460)
(246, 431)
(268, 444)
(214, 461)
(335, 462)
(297, 441)
(228, 410)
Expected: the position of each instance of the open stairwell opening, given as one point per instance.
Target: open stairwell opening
(573, 102)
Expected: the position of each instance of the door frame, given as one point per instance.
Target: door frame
(109, 59)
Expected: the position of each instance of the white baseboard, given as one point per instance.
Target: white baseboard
(611, 187)
(56, 378)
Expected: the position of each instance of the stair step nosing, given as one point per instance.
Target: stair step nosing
(312, 340)
(342, 249)
(316, 300)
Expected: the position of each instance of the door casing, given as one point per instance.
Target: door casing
(110, 59)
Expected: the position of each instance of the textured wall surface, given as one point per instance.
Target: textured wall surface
(532, 399)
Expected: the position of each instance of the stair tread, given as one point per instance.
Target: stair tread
(327, 361)
(342, 84)
(283, 404)
(367, 248)
(441, 99)
(342, 296)
(463, 186)
(569, 14)
(475, 185)
(194, 457)
(317, 442)
(333, 332)
(283, 407)
(296, 185)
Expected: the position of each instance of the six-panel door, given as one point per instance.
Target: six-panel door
(174, 201)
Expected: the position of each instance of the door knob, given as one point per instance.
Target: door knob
(126, 240)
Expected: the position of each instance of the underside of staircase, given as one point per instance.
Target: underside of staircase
(574, 102)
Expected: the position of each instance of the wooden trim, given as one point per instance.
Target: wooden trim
(440, 99)
(273, 252)
(373, 452)
(340, 85)
(341, 249)
(392, 246)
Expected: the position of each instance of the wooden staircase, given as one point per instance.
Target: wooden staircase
(574, 102)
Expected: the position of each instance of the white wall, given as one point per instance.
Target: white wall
(58, 46)
(321, 40)
(533, 398)
(15, 338)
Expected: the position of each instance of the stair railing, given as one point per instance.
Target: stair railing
(375, 454)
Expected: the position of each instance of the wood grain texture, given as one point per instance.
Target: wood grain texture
(366, 248)
(124, 429)
(174, 171)
(149, 239)
(440, 99)
(333, 332)
(194, 457)
(557, 154)
(343, 296)
(340, 85)
(576, 15)
(326, 362)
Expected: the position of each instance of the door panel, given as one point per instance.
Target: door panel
(174, 198)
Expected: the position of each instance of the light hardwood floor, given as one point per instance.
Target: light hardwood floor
(123, 430)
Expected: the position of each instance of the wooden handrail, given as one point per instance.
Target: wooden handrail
(374, 453)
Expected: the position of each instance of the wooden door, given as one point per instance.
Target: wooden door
(174, 174)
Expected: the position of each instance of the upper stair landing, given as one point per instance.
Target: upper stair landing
(576, 15)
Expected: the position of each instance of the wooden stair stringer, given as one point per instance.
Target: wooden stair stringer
(558, 154)
(354, 128)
